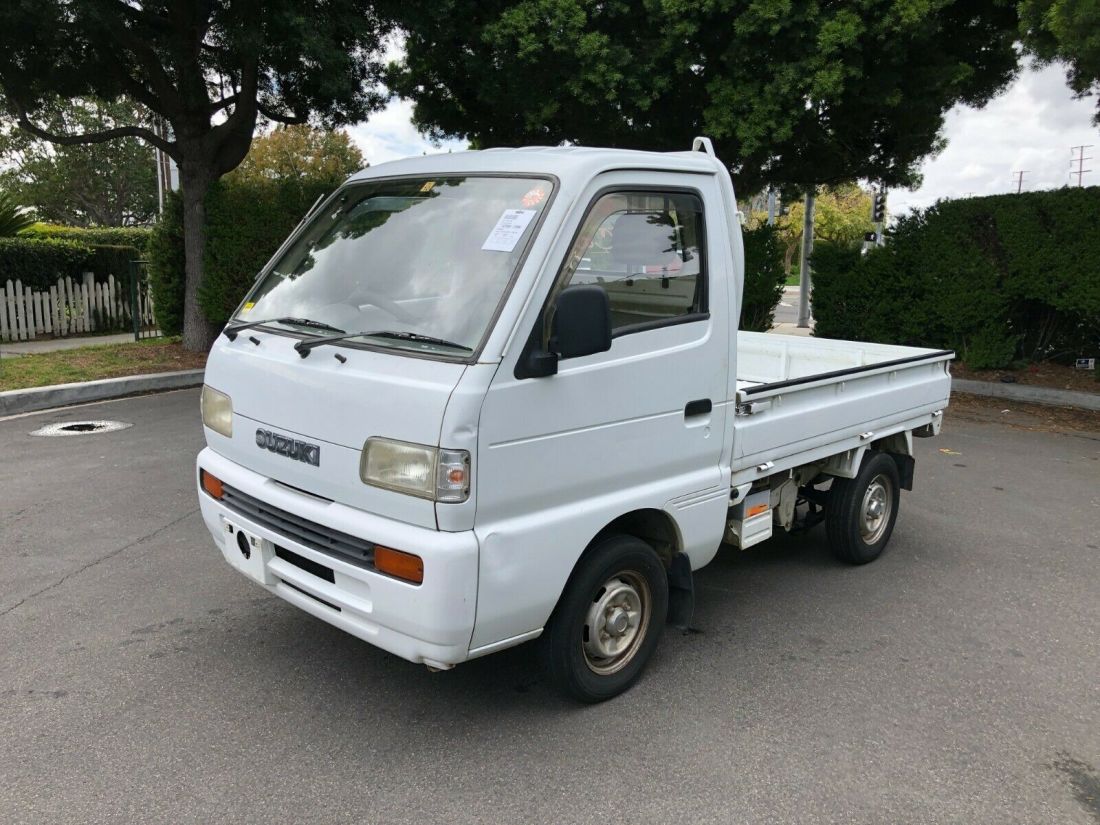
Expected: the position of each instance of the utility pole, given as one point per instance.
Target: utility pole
(804, 260)
(771, 206)
(1080, 161)
(1020, 180)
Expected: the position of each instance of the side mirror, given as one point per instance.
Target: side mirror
(582, 322)
(581, 326)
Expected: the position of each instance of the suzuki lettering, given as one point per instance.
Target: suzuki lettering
(290, 447)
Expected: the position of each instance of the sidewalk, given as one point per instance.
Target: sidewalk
(15, 348)
(787, 328)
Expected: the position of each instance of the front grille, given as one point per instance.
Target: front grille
(314, 536)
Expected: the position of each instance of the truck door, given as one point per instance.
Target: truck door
(640, 426)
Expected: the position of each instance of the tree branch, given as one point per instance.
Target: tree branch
(278, 117)
(139, 132)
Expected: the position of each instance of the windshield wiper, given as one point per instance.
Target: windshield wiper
(232, 330)
(304, 347)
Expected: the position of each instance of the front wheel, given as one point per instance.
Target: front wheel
(861, 511)
(608, 621)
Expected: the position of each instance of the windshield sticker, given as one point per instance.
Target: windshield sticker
(428, 186)
(508, 230)
(248, 306)
(534, 197)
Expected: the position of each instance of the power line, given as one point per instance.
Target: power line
(1080, 161)
(1020, 180)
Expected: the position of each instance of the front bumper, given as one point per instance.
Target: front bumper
(430, 623)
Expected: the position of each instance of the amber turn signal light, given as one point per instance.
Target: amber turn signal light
(398, 564)
(211, 484)
(756, 510)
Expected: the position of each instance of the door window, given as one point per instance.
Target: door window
(645, 249)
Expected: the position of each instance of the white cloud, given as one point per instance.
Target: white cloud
(390, 135)
(1030, 127)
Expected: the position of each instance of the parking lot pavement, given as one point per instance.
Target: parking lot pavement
(957, 679)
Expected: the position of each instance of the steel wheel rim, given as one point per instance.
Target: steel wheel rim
(616, 622)
(875, 509)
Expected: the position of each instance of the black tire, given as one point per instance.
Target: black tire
(856, 535)
(601, 586)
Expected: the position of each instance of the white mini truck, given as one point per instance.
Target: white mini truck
(484, 397)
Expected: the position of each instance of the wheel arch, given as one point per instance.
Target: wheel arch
(655, 527)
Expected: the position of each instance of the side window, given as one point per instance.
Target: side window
(646, 250)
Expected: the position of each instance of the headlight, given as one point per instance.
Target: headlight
(217, 411)
(428, 472)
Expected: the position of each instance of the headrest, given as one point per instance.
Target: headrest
(643, 239)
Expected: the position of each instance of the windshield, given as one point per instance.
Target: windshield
(426, 258)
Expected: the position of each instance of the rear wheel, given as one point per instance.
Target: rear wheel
(608, 621)
(861, 511)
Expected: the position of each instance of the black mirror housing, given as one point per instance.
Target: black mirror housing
(582, 322)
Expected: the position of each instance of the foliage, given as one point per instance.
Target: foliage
(14, 219)
(1067, 30)
(39, 263)
(166, 266)
(300, 153)
(764, 278)
(842, 215)
(996, 279)
(135, 236)
(114, 260)
(248, 222)
(106, 184)
(211, 71)
(794, 92)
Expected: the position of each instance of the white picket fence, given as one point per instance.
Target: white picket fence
(70, 308)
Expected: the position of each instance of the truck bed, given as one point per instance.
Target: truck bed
(804, 399)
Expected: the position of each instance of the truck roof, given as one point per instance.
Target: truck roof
(565, 162)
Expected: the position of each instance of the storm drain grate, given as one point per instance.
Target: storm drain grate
(81, 428)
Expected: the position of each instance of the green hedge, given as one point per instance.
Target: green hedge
(135, 236)
(166, 274)
(998, 279)
(764, 278)
(38, 263)
(245, 224)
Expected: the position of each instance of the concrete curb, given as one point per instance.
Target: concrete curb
(13, 402)
(1028, 392)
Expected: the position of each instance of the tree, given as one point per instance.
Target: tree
(102, 184)
(842, 216)
(794, 92)
(300, 153)
(1066, 30)
(209, 68)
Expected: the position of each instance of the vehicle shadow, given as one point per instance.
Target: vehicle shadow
(735, 595)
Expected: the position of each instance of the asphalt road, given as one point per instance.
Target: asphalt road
(957, 679)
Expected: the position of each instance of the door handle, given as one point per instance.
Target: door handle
(701, 406)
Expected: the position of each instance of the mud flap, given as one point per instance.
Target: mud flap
(681, 592)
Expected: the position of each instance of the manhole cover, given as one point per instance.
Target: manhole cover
(81, 428)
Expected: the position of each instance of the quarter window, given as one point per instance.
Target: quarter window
(645, 249)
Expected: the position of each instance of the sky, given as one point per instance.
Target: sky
(1030, 127)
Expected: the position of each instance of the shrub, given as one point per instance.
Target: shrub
(764, 278)
(245, 223)
(997, 279)
(135, 236)
(166, 273)
(38, 263)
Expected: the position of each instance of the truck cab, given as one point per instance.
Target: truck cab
(485, 397)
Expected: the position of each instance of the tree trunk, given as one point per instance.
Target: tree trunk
(198, 332)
